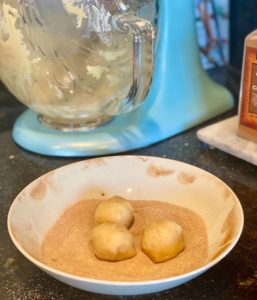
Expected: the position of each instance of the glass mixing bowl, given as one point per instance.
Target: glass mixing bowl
(77, 63)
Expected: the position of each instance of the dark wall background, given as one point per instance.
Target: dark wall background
(243, 15)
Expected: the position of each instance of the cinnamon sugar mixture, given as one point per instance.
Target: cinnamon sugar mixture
(67, 246)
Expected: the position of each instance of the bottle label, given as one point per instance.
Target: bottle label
(248, 115)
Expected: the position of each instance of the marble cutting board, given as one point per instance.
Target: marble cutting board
(223, 135)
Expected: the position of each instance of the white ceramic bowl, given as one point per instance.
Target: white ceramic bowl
(40, 204)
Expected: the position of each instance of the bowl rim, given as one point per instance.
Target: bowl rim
(62, 274)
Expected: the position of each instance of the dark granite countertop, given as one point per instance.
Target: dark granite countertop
(235, 277)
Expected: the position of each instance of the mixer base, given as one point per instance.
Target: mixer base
(123, 133)
(155, 120)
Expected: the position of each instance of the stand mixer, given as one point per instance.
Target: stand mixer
(181, 94)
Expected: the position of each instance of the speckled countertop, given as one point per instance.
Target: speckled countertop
(235, 277)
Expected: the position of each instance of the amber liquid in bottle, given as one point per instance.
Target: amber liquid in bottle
(248, 92)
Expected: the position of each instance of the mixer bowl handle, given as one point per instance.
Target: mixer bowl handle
(143, 35)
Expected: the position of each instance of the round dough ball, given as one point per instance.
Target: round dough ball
(162, 241)
(113, 242)
(115, 210)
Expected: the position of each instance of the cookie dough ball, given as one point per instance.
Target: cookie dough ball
(115, 210)
(162, 241)
(113, 242)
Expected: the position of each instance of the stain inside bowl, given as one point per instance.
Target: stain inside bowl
(67, 246)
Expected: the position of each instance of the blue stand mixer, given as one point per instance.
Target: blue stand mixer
(181, 96)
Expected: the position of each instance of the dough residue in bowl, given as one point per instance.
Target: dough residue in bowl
(67, 246)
